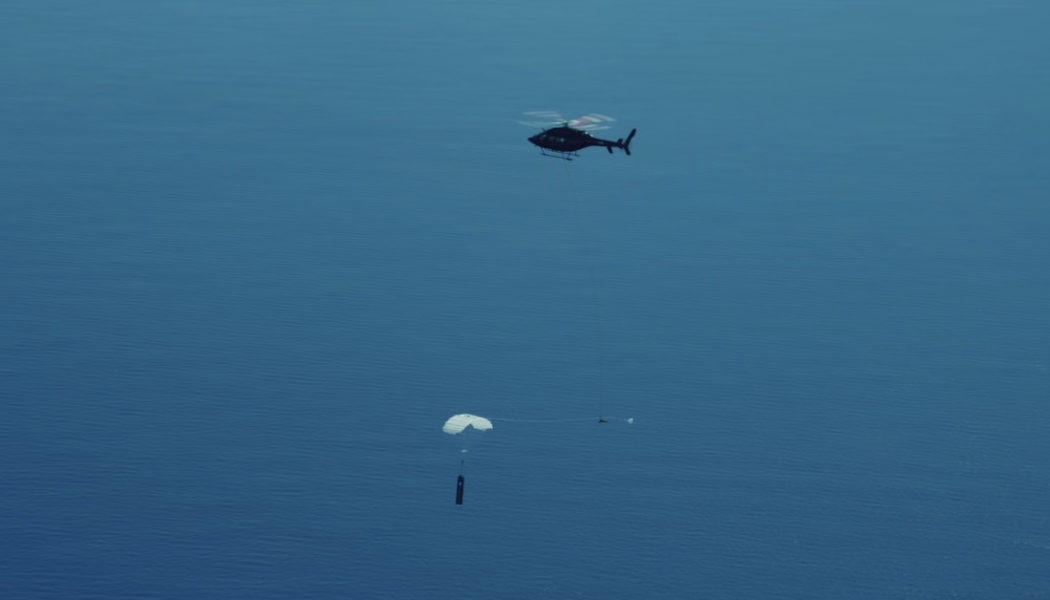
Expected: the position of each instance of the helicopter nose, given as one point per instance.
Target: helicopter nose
(535, 139)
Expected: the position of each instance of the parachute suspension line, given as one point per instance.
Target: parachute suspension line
(628, 420)
(595, 301)
(566, 420)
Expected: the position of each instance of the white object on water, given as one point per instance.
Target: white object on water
(457, 423)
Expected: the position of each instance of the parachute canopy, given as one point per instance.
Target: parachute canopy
(457, 423)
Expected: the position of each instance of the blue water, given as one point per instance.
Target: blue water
(254, 254)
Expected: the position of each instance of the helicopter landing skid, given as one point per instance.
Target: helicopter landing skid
(556, 154)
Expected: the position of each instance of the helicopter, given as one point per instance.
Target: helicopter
(564, 137)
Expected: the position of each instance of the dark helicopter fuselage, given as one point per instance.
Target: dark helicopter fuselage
(567, 140)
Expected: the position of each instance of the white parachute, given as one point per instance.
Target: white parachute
(457, 423)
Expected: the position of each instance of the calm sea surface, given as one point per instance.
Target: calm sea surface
(253, 254)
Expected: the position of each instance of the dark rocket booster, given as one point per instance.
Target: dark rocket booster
(459, 490)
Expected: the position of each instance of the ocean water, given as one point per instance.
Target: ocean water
(254, 254)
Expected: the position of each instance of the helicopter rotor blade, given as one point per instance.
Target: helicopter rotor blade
(552, 118)
(543, 119)
(591, 122)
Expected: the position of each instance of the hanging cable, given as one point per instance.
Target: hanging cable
(589, 262)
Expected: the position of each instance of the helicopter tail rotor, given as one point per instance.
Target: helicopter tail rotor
(625, 144)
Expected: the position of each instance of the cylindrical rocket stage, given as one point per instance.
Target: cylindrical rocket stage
(459, 490)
